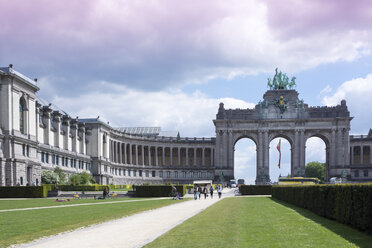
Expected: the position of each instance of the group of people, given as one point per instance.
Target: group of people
(198, 191)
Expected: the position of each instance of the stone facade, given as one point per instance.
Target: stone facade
(34, 137)
(282, 114)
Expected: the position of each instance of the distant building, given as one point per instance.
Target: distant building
(36, 137)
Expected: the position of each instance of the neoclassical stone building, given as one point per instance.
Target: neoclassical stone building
(35, 137)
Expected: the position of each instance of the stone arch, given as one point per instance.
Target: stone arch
(253, 138)
(326, 138)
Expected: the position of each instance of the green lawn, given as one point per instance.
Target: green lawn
(44, 202)
(24, 226)
(260, 222)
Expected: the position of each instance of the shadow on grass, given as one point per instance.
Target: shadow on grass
(352, 235)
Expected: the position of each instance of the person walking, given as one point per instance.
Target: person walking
(219, 191)
(205, 191)
(196, 192)
(200, 191)
(211, 191)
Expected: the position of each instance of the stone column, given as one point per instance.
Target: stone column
(149, 154)
(83, 144)
(130, 154)
(302, 153)
(156, 155)
(352, 155)
(125, 154)
(361, 155)
(119, 153)
(230, 160)
(143, 154)
(187, 156)
(296, 156)
(171, 156)
(179, 156)
(195, 157)
(163, 156)
(136, 150)
(259, 168)
(266, 147)
(203, 156)
(332, 154)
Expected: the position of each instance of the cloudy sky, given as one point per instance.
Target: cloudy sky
(169, 63)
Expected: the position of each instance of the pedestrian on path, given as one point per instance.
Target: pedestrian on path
(219, 191)
(200, 191)
(196, 192)
(211, 190)
(205, 191)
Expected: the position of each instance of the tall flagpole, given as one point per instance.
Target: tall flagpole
(280, 153)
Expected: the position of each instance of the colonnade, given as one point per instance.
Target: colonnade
(360, 155)
(156, 155)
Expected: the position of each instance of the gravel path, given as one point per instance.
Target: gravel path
(133, 231)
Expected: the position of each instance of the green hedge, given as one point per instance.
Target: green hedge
(159, 190)
(23, 192)
(255, 189)
(92, 187)
(348, 204)
(124, 186)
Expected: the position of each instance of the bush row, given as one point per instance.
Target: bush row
(159, 190)
(255, 189)
(23, 191)
(347, 204)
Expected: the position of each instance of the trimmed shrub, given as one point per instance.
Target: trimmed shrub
(348, 204)
(158, 190)
(23, 192)
(255, 189)
(92, 187)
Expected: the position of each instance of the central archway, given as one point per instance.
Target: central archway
(245, 160)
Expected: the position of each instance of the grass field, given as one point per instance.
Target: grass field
(24, 226)
(260, 222)
(44, 202)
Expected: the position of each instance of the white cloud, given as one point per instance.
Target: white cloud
(357, 93)
(191, 114)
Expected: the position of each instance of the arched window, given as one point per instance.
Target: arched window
(22, 115)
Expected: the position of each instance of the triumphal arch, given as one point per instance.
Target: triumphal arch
(281, 113)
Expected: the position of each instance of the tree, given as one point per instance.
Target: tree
(315, 169)
(86, 178)
(49, 177)
(61, 175)
(81, 178)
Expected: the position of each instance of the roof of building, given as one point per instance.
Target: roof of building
(141, 130)
(9, 70)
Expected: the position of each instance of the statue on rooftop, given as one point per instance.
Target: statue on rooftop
(281, 81)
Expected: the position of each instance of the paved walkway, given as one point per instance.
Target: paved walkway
(133, 231)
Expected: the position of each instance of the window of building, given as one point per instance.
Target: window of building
(176, 174)
(71, 163)
(116, 171)
(119, 172)
(22, 115)
(134, 173)
(147, 173)
(41, 121)
(168, 174)
(128, 173)
(24, 150)
(42, 157)
(57, 160)
(208, 174)
(63, 161)
(199, 174)
(191, 174)
(47, 158)
(160, 174)
(140, 173)
(365, 173)
(53, 159)
(356, 173)
(184, 174)
(105, 168)
(123, 172)
(74, 163)
(28, 151)
(153, 174)
(21, 180)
